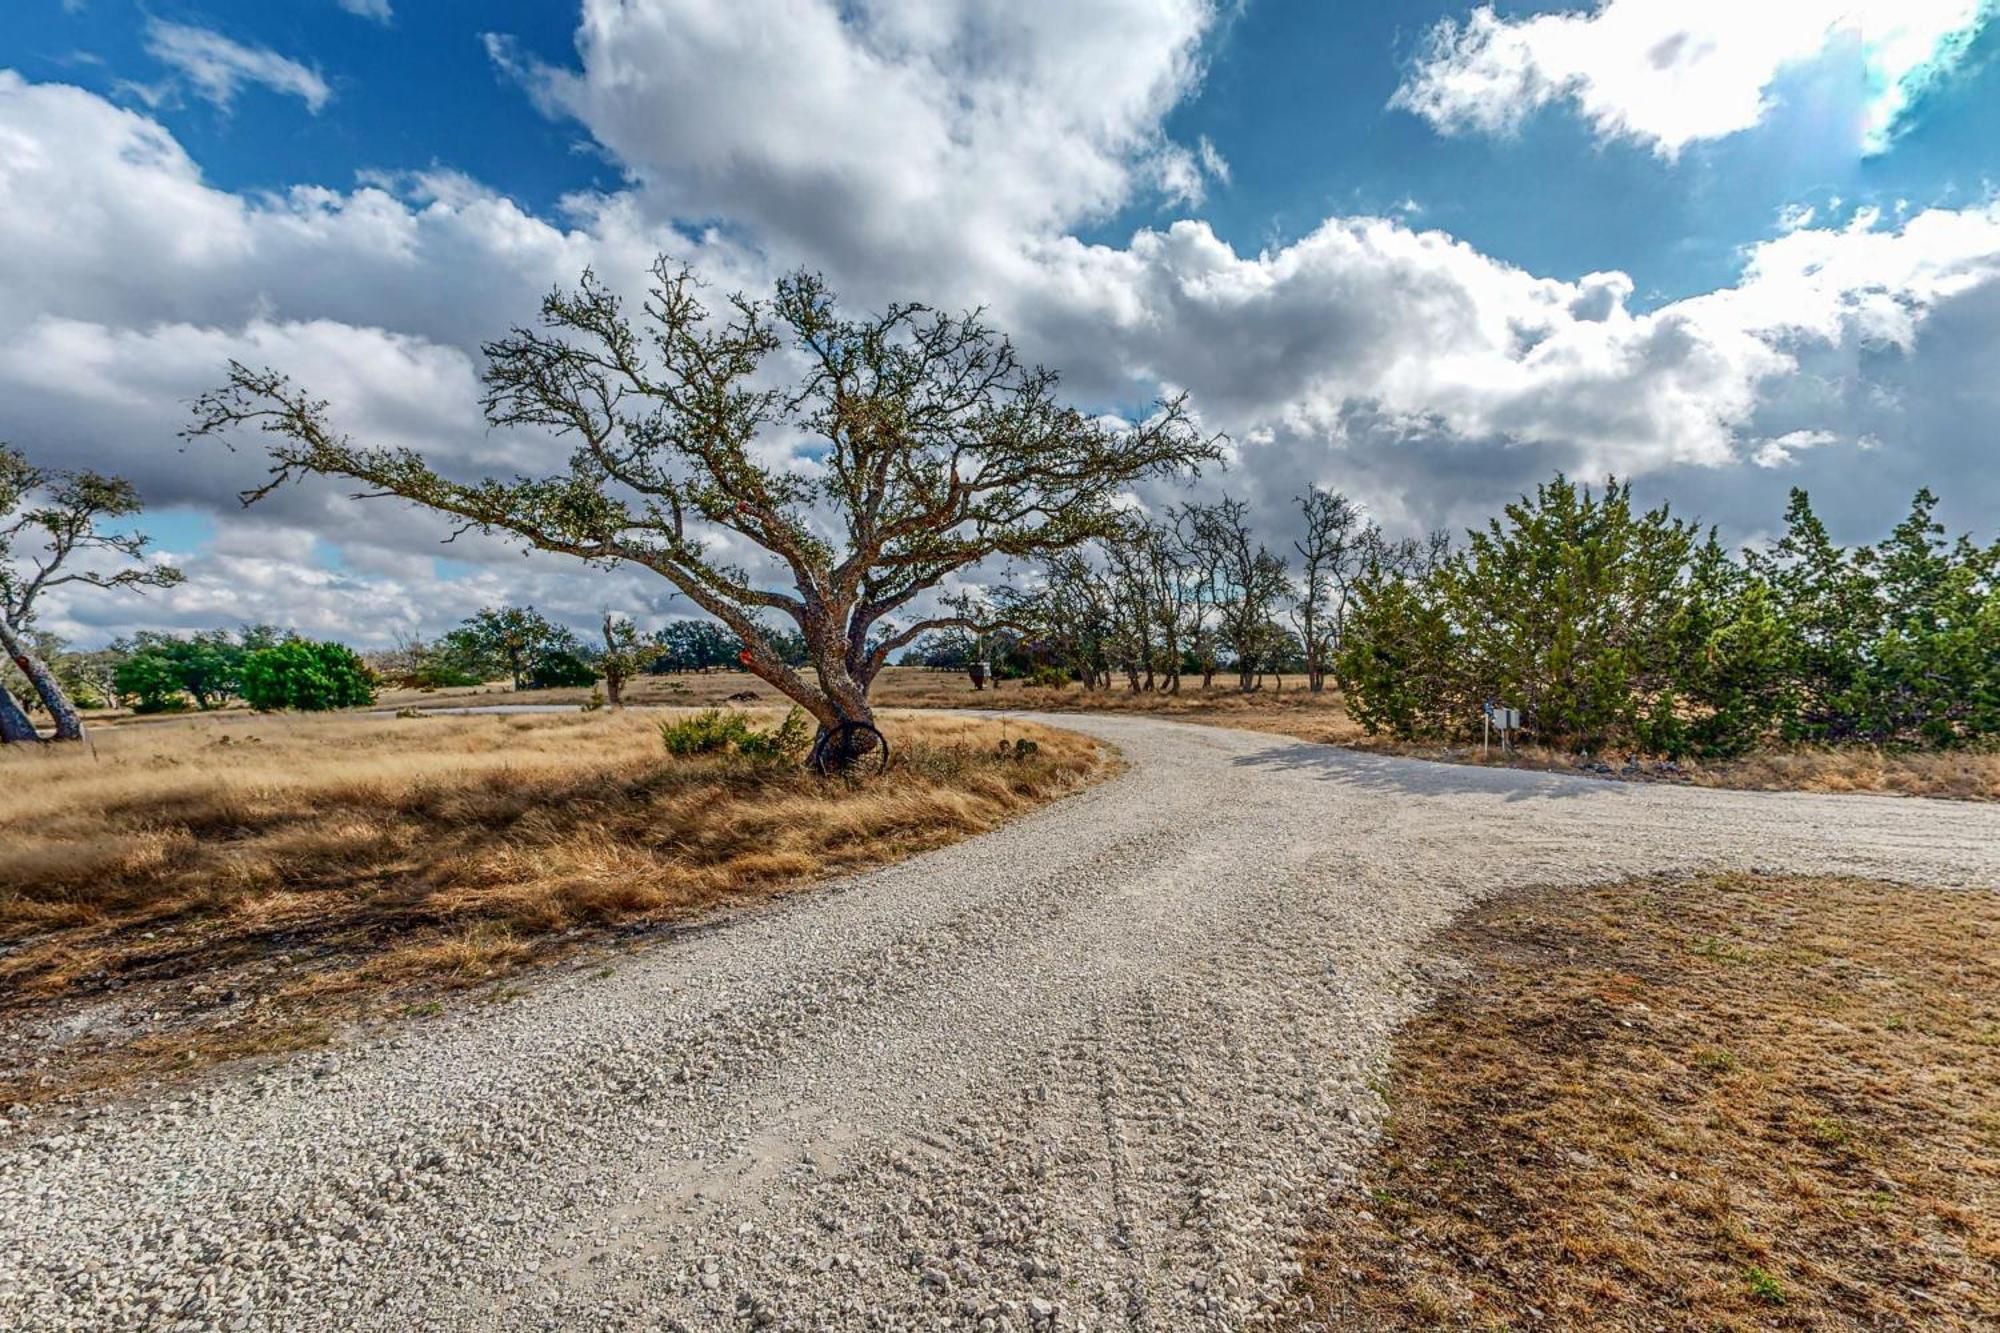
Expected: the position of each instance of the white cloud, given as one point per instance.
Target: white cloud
(1669, 73)
(1778, 452)
(1792, 217)
(905, 141)
(218, 67)
(368, 9)
(1433, 380)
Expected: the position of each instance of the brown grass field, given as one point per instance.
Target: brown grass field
(210, 886)
(1294, 711)
(1730, 1103)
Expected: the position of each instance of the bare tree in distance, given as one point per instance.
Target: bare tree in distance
(936, 450)
(51, 522)
(1327, 556)
(1134, 611)
(1076, 617)
(1242, 580)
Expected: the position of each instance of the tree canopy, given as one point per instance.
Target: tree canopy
(932, 449)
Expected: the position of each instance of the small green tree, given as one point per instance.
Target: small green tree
(511, 641)
(1735, 658)
(1830, 605)
(561, 669)
(1934, 675)
(1399, 656)
(1566, 605)
(625, 656)
(151, 682)
(207, 667)
(307, 676)
(695, 645)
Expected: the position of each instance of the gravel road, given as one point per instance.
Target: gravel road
(1091, 1071)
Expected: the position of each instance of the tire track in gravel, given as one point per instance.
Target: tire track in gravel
(936, 1095)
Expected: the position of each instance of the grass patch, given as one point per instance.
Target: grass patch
(200, 887)
(1608, 1124)
(1970, 774)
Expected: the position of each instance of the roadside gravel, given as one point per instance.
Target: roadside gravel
(1094, 1070)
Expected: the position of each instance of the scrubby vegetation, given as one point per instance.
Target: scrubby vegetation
(1608, 626)
(307, 676)
(719, 731)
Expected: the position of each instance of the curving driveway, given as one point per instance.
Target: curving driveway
(1092, 1070)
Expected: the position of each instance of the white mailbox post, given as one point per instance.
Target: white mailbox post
(1506, 720)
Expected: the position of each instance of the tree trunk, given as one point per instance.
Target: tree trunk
(14, 724)
(614, 689)
(69, 723)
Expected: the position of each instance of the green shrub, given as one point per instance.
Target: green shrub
(707, 732)
(713, 731)
(561, 670)
(787, 741)
(311, 677)
(1046, 678)
(151, 683)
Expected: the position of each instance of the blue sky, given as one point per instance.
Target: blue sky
(1420, 250)
(1295, 98)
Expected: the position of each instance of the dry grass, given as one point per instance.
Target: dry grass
(1292, 711)
(1733, 1103)
(1966, 775)
(253, 879)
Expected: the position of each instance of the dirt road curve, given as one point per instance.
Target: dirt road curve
(1093, 1070)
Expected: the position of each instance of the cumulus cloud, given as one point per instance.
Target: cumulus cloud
(218, 67)
(1430, 379)
(1669, 73)
(368, 9)
(909, 142)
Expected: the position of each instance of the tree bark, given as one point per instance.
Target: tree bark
(69, 722)
(14, 724)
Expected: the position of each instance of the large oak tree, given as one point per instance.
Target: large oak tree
(928, 448)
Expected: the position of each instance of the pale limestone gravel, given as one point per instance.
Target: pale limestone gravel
(1094, 1070)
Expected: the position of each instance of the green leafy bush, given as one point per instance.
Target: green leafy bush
(560, 670)
(714, 731)
(152, 683)
(706, 732)
(310, 677)
(1608, 626)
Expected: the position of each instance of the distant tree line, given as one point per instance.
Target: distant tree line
(1192, 592)
(1603, 624)
(532, 652)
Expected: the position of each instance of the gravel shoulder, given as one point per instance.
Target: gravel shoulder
(1094, 1070)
